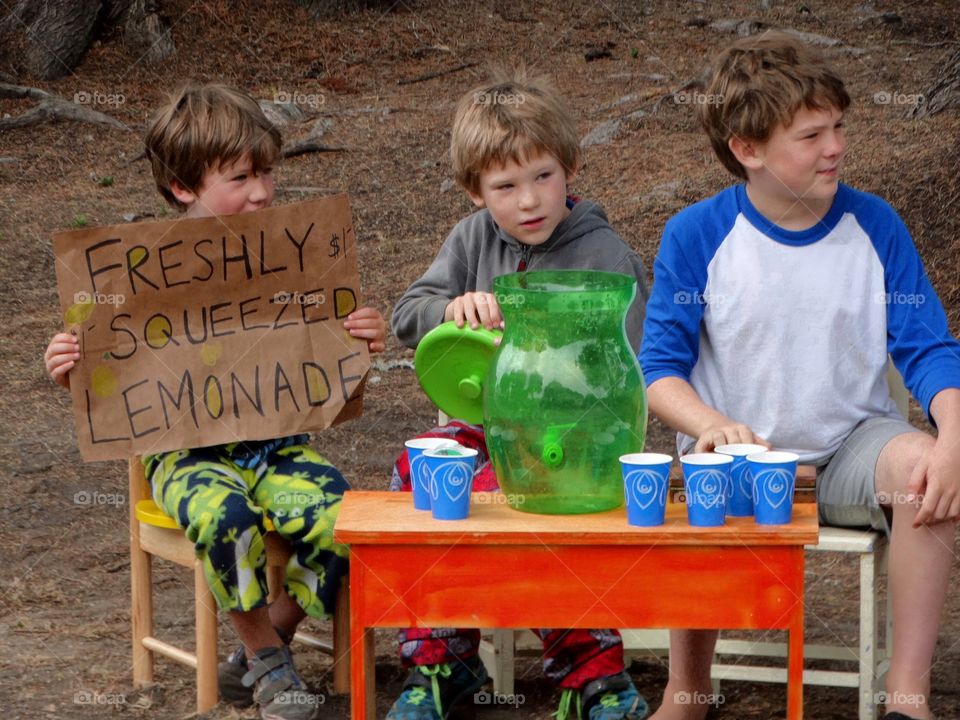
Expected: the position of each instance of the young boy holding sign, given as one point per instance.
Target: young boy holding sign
(212, 151)
(774, 307)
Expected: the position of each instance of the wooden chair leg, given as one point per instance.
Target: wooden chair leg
(141, 612)
(206, 629)
(341, 640)
(141, 583)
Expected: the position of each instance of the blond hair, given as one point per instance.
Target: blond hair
(510, 118)
(203, 128)
(760, 82)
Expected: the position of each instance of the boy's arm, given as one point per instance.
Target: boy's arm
(671, 345)
(918, 333)
(937, 475)
(632, 265)
(928, 357)
(677, 404)
(422, 306)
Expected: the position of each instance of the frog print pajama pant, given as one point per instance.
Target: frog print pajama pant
(221, 496)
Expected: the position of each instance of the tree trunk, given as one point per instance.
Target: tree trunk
(944, 92)
(50, 36)
(145, 33)
(58, 35)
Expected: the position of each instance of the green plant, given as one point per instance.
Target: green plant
(79, 221)
(106, 181)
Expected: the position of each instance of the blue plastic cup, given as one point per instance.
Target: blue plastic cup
(774, 477)
(451, 479)
(646, 480)
(740, 491)
(706, 477)
(419, 480)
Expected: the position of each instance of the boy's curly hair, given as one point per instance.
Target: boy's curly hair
(508, 118)
(760, 82)
(203, 128)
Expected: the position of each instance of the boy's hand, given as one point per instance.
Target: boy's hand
(368, 323)
(62, 354)
(476, 308)
(726, 434)
(936, 475)
(936, 478)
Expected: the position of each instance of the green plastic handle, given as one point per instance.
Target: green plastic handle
(470, 387)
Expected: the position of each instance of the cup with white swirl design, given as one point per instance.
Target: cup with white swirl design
(451, 480)
(774, 478)
(646, 480)
(706, 477)
(740, 492)
(419, 480)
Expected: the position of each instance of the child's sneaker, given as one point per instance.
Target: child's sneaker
(230, 679)
(431, 691)
(231, 671)
(613, 697)
(277, 688)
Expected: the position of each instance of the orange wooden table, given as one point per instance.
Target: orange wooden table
(503, 568)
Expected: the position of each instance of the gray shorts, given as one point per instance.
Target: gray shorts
(846, 494)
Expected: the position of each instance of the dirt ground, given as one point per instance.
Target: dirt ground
(64, 603)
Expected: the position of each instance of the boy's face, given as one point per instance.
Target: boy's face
(228, 190)
(799, 162)
(527, 199)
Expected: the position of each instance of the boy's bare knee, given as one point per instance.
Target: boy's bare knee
(897, 462)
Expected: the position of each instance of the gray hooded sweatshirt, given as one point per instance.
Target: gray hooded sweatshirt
(477, 251)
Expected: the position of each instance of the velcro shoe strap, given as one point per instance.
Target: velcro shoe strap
(596, 689)
(262, 663)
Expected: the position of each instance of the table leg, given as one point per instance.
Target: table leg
(795, 666)
(363, 705)
(363, 681)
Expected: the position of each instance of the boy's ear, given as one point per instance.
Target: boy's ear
(181, 193)
(748, 153)
(572, 173)
(476, 199)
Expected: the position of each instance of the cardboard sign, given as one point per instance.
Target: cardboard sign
(207, 331)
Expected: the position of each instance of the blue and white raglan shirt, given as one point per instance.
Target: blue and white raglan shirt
(789, 331)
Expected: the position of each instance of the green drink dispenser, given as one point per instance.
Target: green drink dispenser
(562, 396)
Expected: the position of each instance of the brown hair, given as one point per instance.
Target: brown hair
(203, 128)
(760, 82)
(510, 118)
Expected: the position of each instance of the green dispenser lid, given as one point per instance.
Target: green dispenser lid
(452, 365)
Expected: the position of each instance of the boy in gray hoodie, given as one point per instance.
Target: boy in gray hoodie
(514, 149)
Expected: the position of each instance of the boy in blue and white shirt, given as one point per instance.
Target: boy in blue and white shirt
(774, 308)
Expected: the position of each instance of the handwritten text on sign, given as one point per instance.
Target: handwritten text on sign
(207, 331)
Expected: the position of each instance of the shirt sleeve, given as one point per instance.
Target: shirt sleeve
(918, 333)
(632, 265)
(421, 308)
(671, 331)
